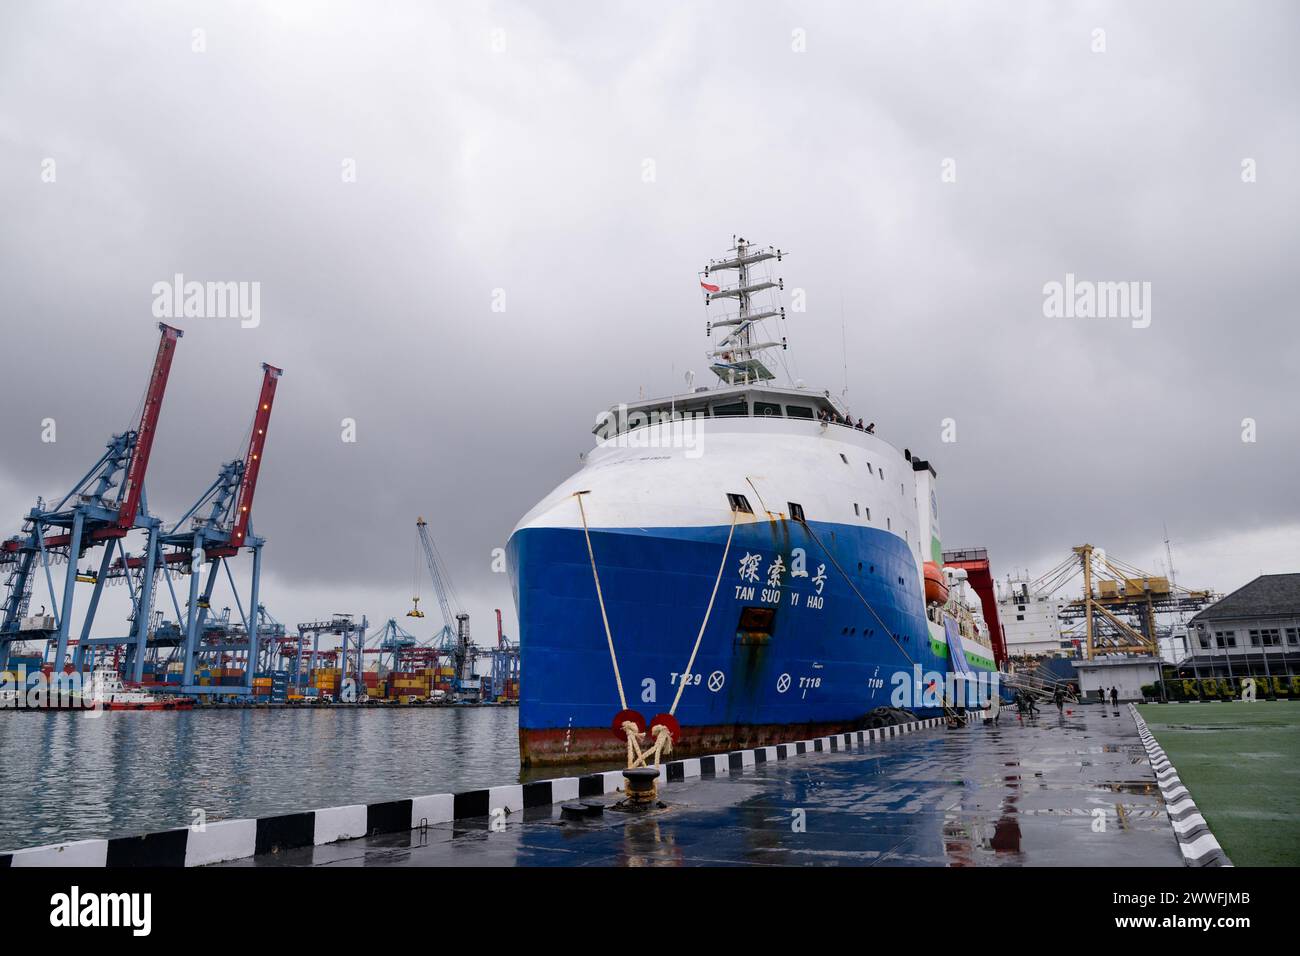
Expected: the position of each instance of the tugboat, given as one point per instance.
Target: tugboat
(107, 692)
(748, 562)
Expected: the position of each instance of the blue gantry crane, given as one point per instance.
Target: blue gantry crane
(505, 665)
(349, 657)
(270, 640)
(99, 512)
(393, 643)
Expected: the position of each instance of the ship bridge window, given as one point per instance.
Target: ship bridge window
(799, 411)
(733, 410)
(739, 503)
(855, 509)
(767, 410)
(796, 511)
(755, 626)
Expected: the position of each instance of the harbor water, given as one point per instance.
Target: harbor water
(68, 776)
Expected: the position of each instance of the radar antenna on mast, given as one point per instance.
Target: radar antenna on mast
(737, 357)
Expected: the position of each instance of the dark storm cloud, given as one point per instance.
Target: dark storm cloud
(520, 168)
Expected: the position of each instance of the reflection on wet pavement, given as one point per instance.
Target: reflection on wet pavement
(1074, 789)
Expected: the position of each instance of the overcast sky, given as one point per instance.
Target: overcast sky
(504, 147)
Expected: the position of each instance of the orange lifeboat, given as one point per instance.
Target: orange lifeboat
(936, 590)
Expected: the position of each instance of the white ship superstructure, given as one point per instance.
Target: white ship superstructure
(1031, 620)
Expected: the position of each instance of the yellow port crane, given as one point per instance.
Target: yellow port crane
(1119, 601)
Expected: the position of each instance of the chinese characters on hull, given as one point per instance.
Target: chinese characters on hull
(751, 574)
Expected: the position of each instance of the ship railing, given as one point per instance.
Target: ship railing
(1039, 687)
(851, 426)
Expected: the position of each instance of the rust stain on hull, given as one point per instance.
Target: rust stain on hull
(591, 745)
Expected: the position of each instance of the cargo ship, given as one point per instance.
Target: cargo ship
(744, 563)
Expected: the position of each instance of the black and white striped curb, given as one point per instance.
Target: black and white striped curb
(1198, 845)
(238, 839)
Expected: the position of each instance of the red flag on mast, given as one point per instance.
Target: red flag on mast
(709, 288)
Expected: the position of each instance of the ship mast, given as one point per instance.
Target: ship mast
(737, 356)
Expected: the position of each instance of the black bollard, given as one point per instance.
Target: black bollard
(642, 786)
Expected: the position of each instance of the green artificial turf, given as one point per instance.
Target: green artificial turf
(1239, 761)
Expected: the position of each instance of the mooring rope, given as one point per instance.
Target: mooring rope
(662, 736)
(681, 685)
(600, 599)
(867, 604)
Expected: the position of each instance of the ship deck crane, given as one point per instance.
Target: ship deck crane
(975, 562)
(88, 517)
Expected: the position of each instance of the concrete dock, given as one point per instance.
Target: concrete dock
(1075, 789)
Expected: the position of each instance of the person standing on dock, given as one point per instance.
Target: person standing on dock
(995, 709)
(1059, 699)
(1114, 696)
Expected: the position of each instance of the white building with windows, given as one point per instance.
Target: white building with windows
(1252, 631)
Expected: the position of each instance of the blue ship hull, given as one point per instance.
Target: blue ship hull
(824, 662)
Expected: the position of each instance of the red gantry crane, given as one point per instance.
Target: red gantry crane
(215, 538)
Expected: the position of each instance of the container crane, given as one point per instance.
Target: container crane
(1120, 605)
(88, 517)
(455, 627)
(353, 636)
(505, 666)
(394, 643)
(212, 531)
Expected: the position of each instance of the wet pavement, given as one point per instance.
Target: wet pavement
(1075, 790)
